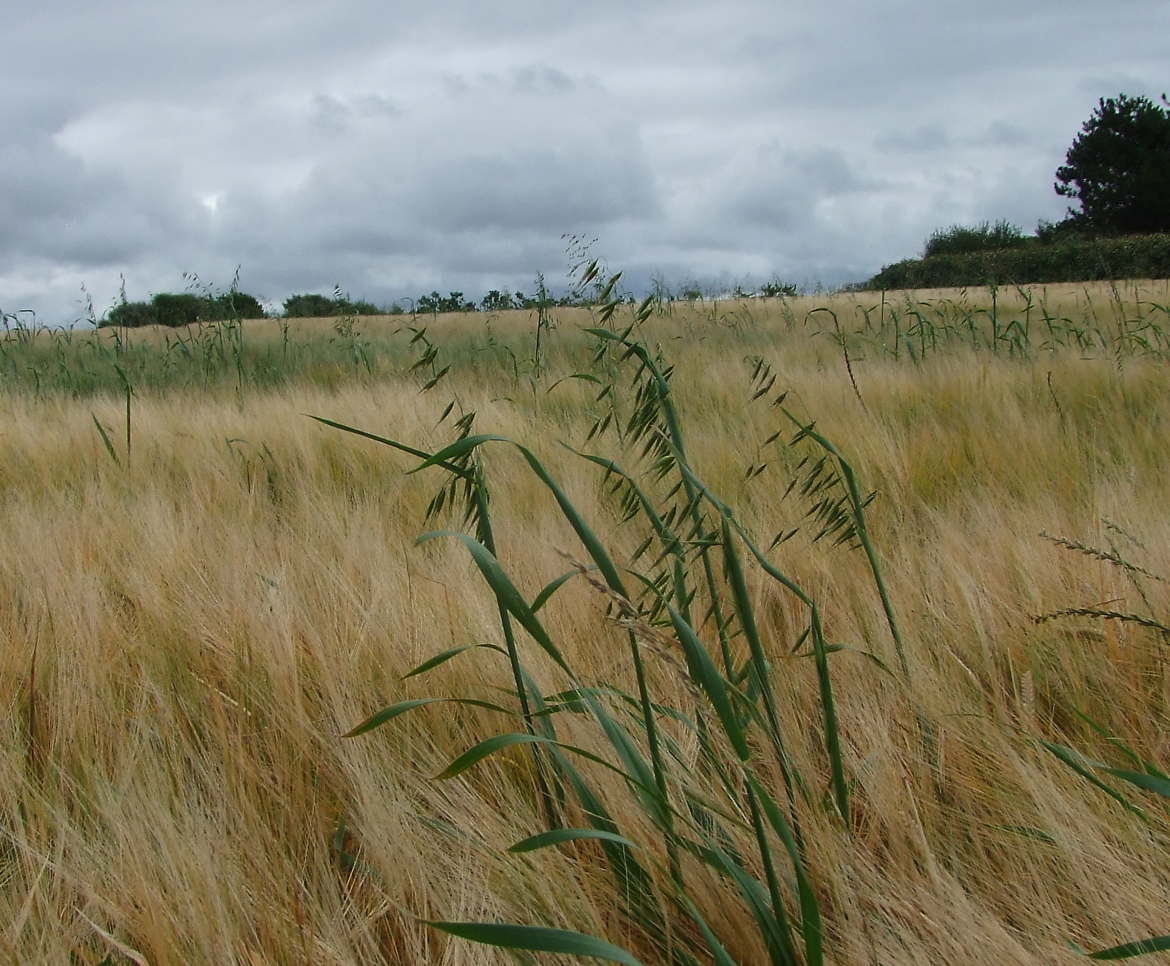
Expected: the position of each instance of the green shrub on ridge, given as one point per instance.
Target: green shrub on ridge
(310, 305)
(960, 239)
(1135, 256)
(185, 308)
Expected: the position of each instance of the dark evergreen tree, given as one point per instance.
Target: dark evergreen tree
(1118, 168)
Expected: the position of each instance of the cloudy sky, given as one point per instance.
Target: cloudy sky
(395, 148)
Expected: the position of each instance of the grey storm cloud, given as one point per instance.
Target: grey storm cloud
(336, 115)
(393, 149)
(918, 139)
(583, 186)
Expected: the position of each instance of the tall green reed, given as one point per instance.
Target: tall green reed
(684, 595)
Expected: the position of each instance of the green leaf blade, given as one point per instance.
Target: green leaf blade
(1142, 947)
(540, 939)
(444, 656)
(489, 746)
(561, 835)
(390, 712)
(461, 447)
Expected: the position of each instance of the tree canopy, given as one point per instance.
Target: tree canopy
(185, 308)
(312, 305)
(1118, 168)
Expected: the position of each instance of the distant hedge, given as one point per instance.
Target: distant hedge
(167, 308)
(964, 239)
(310, 305)
(1135, 256)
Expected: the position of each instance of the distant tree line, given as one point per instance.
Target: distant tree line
(1117, 169)
(312, 306)
(171, 309)
(184, 308)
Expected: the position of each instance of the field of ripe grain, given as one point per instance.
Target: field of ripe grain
(859, 747)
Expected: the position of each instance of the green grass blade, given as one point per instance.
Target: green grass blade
(666, 535)
(584, 376)
(551, 588)
(655, 803)
(1077, 763)
(1148, 767)
(650, 786)
(457, 449)
(444, 656)
(721, 956)
(593, 545)
(506, 593)
(706, 675)
(857, 505)
(759, 662)
(1142, 947)
(106, 440)
(639, 772)
(1151, 783)
(537, 939)
(605, 334)
(810, 909)
(824, 680)
(560, 835)
(489, 746)
(630, 878)
(394, 444)
(392, 711)
(848, 649)
(574, 700)
(774, 932)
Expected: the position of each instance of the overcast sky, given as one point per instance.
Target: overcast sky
(395, 148)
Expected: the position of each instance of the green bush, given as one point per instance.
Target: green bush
(177, 309)
(1074, 228)
(436, 303)
(233, 305)
(1135, 256)
(776, 289)
(129, 315)
(310, 305)
(184, 308)
(497, 301)
(960, 239)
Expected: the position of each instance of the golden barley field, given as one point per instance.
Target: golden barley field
(202, 589)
